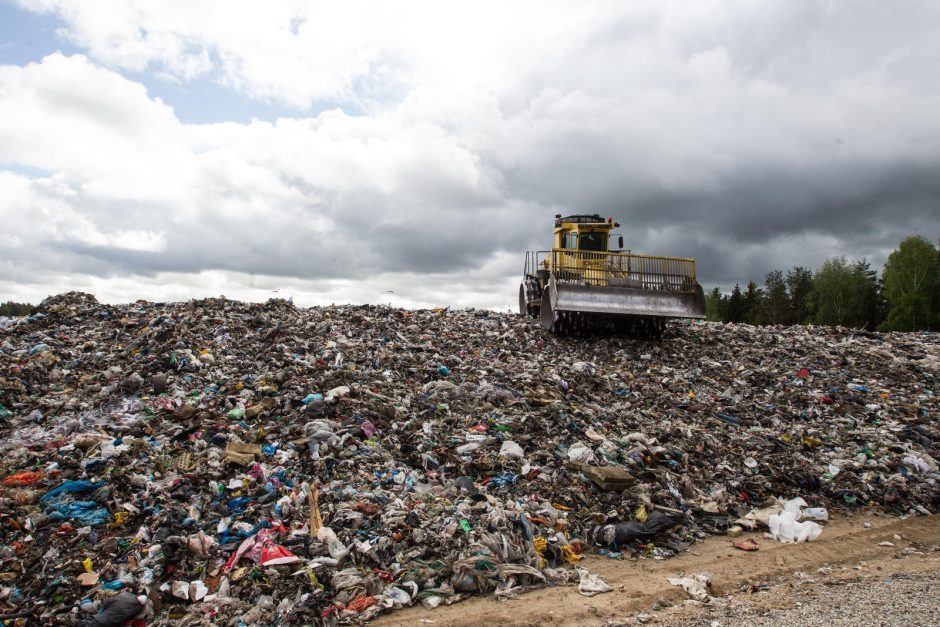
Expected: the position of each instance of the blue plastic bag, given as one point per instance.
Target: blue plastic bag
(88, 513)
(72, 487)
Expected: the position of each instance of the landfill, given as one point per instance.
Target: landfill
(214, 462)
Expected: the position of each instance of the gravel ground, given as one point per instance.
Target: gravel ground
(905, 599)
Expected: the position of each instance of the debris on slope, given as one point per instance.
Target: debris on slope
(232, 463)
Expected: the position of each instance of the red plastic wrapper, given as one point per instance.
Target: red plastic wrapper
(274, 554)
(261, 549)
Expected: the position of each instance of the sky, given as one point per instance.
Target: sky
(409, 153)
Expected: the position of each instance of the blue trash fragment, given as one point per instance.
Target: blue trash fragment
(72, 487)
(39, 348)
(88, 513)
(237, 505)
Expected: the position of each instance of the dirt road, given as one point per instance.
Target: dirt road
(782, 574)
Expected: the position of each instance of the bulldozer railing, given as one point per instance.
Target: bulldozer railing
(674, 274)
(533, 261)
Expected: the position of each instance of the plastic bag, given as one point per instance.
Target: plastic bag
(620, 534)
(115, 611)
(511, 450)
(71, 487)
(338, 550)
(580, 453)
(86, 512)
(697, 587)
(591, 584)
(785, 528)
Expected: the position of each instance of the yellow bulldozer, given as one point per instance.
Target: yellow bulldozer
(584, 283)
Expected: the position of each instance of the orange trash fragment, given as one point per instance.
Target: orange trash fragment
(22, 479)
(360, 603)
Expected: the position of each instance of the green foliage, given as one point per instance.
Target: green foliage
(838, 290)
(713, 305)
(776, 304)
(736, 307)
(872, 305)
(10, 308)
(912, 286)
(906, 297)
(753, 298)
(799, 283)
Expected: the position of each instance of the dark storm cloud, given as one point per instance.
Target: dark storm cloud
(751, 136)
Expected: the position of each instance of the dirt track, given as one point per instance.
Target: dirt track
(845, 551)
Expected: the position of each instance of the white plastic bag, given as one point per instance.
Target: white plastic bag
(696, 587)
(579, 452)
(785, 528)
(815, 513)
(338, 550)
(511, 450)
(591, 584)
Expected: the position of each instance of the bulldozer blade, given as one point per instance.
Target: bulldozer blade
(627, 301)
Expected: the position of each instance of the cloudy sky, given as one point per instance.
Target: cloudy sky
(410, 152)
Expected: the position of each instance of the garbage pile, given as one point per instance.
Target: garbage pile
(227, 463)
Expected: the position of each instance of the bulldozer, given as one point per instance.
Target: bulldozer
(585, 283)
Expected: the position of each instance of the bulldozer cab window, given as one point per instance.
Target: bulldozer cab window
(569, 240)
(596, 242)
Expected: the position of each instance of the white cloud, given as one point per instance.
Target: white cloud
(298, 52)
(722, 130)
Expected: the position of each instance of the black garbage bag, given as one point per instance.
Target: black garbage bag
(115, 611)
(625, 533)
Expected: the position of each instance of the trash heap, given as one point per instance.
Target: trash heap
(218, 462)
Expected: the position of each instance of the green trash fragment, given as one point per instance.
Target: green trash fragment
(484, 565)
(4, 412)
(236, 414)
(465, 525)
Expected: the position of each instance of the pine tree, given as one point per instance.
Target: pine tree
(736, 306)
(776, 304)
(753, 304)
(713, 305)
(799, 283)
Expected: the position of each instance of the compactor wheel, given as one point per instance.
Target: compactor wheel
(547, 313)
(528, 295)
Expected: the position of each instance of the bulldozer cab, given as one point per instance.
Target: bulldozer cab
(582, 280)
(588, 233)
(582, 244)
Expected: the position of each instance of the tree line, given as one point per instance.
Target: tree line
(906, 297)
(10, 308)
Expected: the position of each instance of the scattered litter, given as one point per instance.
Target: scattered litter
(785, 526)
(591, 584)
(698, 587)
(746, 545)
(259, 463)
